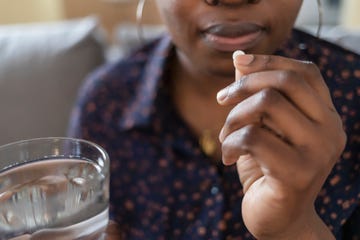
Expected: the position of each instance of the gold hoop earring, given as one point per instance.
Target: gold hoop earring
(139, 17)
(320, 20)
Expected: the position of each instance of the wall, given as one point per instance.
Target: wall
(111, 12)
(18, 11)
(309, 14)
(350, 16)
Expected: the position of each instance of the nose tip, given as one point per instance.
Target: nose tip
(230, 2)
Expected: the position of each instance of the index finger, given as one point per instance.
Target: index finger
(249, 63)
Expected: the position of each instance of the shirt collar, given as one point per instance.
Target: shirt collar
(142, 106)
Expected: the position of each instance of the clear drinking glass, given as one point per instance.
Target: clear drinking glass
(53, 188)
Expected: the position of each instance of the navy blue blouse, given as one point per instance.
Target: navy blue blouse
(163, 186)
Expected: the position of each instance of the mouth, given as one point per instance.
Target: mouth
(229, 37)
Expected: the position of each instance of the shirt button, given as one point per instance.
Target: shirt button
(214, 190)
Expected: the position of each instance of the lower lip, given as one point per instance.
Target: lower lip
(230, 44)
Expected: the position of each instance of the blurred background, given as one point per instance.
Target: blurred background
(113, 13)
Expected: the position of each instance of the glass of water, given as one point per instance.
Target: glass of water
(53, 188)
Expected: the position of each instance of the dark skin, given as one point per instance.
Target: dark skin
(113, 231)
(276, 122)
(200, 70)
(283, 121)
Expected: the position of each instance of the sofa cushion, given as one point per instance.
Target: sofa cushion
(41, 68)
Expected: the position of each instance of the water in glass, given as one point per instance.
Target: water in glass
(53, 199)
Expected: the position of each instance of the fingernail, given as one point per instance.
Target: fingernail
(222, 94)
(244, 59)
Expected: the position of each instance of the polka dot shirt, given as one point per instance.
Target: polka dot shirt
(163, 186)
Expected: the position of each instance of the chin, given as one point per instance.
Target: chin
(214, 64)
(225, 73)
(223, 67)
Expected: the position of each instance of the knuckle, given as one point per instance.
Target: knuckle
(229, 150)
(311, 67)
(340, 145)
(343, 140)
(238, 143)
(248, 134)
(236, 89)
(239, 84)
(290, 80)
(266, 60)
(248, 137)
(337, 145)
(231, 120)
(268, 97)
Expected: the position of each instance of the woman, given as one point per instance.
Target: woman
(277, 171)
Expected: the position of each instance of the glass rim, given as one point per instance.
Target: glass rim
(97, 147)
(51, 138)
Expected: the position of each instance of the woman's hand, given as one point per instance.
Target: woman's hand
(285, 136)
(112, 231)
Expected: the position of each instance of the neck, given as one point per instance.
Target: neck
(194, 95)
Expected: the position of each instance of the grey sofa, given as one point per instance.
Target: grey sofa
(41, 69)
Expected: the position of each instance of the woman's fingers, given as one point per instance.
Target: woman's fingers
(247, 64)
(290, 112)
(289, 83)
(284, 135)
(271, 109)
(254, 148)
